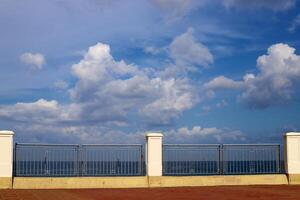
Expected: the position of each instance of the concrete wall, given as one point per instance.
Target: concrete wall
(184, 181)
(154, 153)
(144, 182)
(79, 182)
(6, 158)
(292, 156)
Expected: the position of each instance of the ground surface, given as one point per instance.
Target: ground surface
(206, 193)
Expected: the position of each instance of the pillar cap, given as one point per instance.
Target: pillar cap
(154, 134)
(292, 134)
(6, 132)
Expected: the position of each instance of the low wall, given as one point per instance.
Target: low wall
(79, 182)
(173, 181)
(144, 181)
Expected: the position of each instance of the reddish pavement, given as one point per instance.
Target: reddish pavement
(206, 193)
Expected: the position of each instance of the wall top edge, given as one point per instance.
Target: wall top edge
(6, 132)
(154, 134)
(292, 134)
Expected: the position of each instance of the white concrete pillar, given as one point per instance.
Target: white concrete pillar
(292, 156)
(6, 158)
(154, 153)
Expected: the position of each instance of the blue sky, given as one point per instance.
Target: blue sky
(100, 71)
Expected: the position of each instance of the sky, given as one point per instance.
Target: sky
(108, 71)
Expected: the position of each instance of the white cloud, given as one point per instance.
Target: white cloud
(295, 24)
(97, 134)
(35, 60)
(98, 65)
(186, 51)
(106, 93)
(74, 133)
(176, 96)
(198, 134)
(277, 79)
(275, 83)
(222, 82)
(35, 112)
(109, 94)
(110, 89)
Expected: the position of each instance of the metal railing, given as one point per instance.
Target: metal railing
(128, 160)
(251, 159)
(191, 159)
(78, 160)
(201, 159)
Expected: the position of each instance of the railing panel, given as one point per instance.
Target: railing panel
(222, 159)
(78, 160)
(191, 159)
(112, 160)
(46, 160)
(251, 159)
(128, 160)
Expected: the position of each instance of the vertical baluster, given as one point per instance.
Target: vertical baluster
(278, 159)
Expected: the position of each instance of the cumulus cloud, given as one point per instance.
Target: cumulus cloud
(35, 60)
(106, 96)
(186, 51)
(277, 79)
(222, 82)
(176, 96)
(96, 134)
(109, 89)
(34, 112)
(198, 134)
(108, 93)
(74, 133)
(275, 83)
(47, 121)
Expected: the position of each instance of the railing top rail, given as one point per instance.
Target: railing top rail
(112, 145)
(191, 144)
(260, 144)
(45, 144)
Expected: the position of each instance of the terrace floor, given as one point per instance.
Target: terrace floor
(206, 193)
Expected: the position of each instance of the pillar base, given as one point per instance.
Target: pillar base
(5, 183)
(294, 179)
